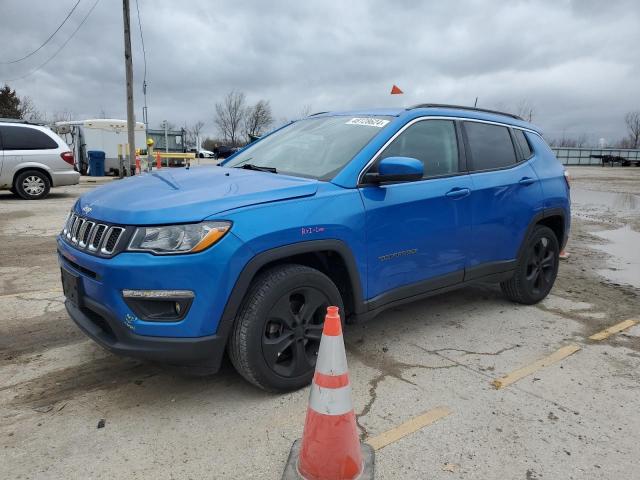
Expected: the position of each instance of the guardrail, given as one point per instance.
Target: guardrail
(597, 156)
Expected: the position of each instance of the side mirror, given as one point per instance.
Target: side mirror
(396, 169)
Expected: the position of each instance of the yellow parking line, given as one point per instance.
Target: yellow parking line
(407, 428)
(607, 332)
(529, 369)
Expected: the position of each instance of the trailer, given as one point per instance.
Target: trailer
(103, 134)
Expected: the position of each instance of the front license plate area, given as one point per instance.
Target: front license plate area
(71, 286)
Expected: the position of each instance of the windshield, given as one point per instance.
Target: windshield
(314, 147)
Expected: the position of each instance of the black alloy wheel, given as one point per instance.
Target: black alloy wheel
(541, 265)
(293, 330)
(537, 268)
(276, 335)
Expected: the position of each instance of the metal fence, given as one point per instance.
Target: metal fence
(596, 156)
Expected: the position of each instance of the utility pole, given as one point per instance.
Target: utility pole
(128, 64)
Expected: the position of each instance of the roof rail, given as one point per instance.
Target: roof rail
(461, 107)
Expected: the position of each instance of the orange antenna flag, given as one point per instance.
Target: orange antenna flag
(395, 90)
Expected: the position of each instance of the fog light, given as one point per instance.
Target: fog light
(159, 305)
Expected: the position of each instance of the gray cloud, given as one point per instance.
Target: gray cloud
(576, 62)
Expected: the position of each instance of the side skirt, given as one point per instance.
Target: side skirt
(493, 272)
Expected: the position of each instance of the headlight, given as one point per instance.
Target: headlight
(170, 239)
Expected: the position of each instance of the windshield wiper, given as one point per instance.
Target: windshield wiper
(251, 166)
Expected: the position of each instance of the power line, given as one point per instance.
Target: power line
(144, 52)
(144, 76)
(46, 41)
(59, 49)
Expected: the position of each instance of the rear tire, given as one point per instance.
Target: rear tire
(536, 270)
(32, 185)
(277, 331)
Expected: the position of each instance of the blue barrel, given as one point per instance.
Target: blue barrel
(96, 163)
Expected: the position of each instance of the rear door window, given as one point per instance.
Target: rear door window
(433, 142)
(25, 138)
(490, 146)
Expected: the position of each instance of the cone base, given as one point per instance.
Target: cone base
(291, 469)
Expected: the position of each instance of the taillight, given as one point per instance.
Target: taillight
(567, 178)
(67, 157)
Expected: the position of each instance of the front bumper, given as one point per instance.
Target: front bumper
(104, 315)
(97, 323)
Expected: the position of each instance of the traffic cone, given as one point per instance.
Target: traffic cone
(158, 161)
(330, 448)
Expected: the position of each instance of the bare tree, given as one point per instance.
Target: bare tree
(576, 142)
(62, 116)
(257, 119)
(229, 116)
(624, 142)
(193, 134)
(28, 110)
(305, 111)
(632, 119)
(525, 110)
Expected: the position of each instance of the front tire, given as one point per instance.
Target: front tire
(32, 185)
(277, 331)
(537, 268)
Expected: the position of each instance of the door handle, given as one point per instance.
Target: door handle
(458, 192)
(526, 181)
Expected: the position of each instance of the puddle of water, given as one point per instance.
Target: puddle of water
(626, 202)
(623, 246)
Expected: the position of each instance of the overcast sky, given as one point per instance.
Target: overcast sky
(576, 62)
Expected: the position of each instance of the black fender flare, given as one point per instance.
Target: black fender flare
(546, 213)
(268, 256)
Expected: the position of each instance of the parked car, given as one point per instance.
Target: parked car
(205, 154)
(33, 159)
(363, 210)
(224, 151)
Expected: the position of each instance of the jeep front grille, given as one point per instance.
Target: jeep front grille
(89, 235)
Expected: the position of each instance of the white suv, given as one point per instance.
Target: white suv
(33, 159)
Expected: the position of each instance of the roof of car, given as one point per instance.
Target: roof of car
(433, 109)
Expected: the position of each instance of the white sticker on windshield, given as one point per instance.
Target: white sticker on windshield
(369, 122)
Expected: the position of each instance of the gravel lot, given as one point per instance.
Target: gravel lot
(575, 419)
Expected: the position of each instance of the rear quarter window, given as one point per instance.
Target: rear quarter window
(523, 143)
(25, 138)
(490, 146)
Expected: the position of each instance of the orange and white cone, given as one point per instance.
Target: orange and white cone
(330, 448)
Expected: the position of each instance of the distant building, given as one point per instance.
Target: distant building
(175, 140)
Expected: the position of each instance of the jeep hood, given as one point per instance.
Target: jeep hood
(188, 195)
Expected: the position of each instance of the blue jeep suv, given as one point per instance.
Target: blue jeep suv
(364, 210)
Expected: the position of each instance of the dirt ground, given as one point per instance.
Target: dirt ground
(68, 409)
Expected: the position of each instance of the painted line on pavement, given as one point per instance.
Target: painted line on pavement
(407, 428)
(618, 327)
(535, 366)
